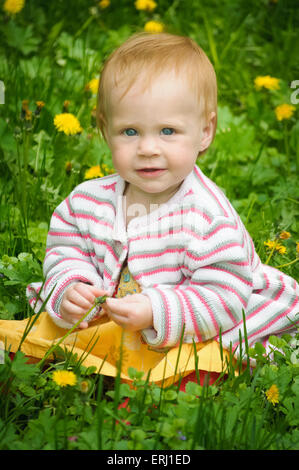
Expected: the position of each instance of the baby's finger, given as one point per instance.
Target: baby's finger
(118, 319)
(72, 310)
(117, 306)
(78, 299)
(98, 292)
(87, 291)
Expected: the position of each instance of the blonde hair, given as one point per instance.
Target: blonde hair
(149, 55)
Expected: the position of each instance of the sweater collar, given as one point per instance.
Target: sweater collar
(120, 233)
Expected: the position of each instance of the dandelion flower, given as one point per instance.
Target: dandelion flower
(28, 115)
(25, 104)
(40, 104)
(284, 235)
(274, 244)
(153, 27)
(93, 85)
(104, 4)
(13, 6)
(94, 172)
(284, 111)
(297, 247)
(64, 378)
(67, 123)
(39, 107)
(266, 81)
(148, 5)
(273, 394)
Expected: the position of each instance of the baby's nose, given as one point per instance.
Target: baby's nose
(148, 146)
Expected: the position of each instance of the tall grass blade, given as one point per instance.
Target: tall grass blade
(32, 319)
(179, 354)
(99, 412)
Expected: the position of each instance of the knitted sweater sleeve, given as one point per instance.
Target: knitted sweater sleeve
(216, 290)
(68, 259)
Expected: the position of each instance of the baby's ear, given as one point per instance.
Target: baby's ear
(208, 132)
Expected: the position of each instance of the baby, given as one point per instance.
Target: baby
(187, 248)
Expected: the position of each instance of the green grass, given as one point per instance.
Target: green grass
(232, 414)
(50, 54)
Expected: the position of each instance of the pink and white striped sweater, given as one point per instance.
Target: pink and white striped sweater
(192, 257)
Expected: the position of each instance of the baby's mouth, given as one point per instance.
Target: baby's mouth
(150, 171)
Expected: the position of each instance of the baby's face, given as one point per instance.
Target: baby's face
(155, 136)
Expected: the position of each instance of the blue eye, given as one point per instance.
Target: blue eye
(130, 132)
(167, 131)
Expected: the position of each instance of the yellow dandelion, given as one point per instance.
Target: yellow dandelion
(284, 111)
(13, 6)
(104, 4)
(28, 115)
(93, 85)
(25, 104)
(153, 27)
(266, 81)
(67, 123)
(284, 235)
(297, 247)
(148, 5)
(64, 378)
(40, 104)
(273, 394)
(39, 107)
(94, 172)
(276, 246)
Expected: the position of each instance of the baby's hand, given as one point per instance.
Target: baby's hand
(133, 312)
(77, 300)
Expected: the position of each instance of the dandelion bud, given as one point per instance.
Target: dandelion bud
(100, 300)
(68, 167)
(66, 104)
(24, 109)
(18, 133)
(84, 386)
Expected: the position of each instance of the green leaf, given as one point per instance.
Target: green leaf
(138, 435)
(193, 388)
(277, 342)
(259, 349)
(8, 435)
(21, 369)
(21, 39)
(170, 395)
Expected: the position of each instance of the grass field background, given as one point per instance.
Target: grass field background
(51, 56)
